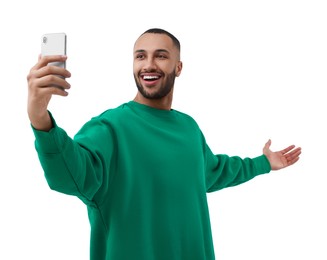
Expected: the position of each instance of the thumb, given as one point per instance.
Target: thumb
(267, 146)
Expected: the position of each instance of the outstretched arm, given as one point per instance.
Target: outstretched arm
(283, 158)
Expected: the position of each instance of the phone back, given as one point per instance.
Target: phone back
(54, 44)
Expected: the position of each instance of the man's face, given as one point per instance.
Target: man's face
(156, 64)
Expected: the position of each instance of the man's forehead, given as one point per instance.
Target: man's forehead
(153, 41)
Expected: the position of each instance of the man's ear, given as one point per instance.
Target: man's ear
(178, 69)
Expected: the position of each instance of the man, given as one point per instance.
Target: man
(143, 169)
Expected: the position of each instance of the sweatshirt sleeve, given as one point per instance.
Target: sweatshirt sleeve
(224, 171)
(76, 166)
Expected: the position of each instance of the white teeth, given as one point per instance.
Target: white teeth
(150, 77)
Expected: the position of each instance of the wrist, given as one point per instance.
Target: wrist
(42, 121)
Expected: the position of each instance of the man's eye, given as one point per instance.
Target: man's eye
(139, 56)
(162, 56)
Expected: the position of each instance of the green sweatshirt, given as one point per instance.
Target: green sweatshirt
(143, 174)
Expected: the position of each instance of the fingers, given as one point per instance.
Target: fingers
(295, 153)
(40, 68)
(43, 75)
(292, 161)
(49, 84)
(293, 156)
(50, 70)
(287, 149)
(45, 60)
(52, 81)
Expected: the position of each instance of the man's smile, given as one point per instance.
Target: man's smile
(150, 79)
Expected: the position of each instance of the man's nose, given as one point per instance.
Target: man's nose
(150, 64)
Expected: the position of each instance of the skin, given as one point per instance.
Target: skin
(154, 56)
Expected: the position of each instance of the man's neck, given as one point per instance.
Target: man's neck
(164, 103)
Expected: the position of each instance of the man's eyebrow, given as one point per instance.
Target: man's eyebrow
(162, 50)
(158, 50)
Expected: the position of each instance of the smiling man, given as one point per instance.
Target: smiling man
(143, 169)
(156, 65)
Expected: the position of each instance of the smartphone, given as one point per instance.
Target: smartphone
(54, 44)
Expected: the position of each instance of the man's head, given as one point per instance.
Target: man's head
(156, 63)
(172, 37)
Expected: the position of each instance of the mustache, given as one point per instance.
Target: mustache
(151, 71)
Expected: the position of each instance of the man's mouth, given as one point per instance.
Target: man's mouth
(150, 77)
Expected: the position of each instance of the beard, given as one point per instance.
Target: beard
(163, 91)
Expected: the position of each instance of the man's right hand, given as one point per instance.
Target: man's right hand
(43, 82)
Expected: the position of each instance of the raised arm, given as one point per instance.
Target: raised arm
(43, 82)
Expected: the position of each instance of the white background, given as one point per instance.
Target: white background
(253, 70)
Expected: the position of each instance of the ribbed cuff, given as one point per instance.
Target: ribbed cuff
(262, 164)
(50, 142)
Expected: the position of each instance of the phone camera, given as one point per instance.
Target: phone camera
(45, 39)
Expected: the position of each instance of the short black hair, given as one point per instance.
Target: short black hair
(162, 31)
